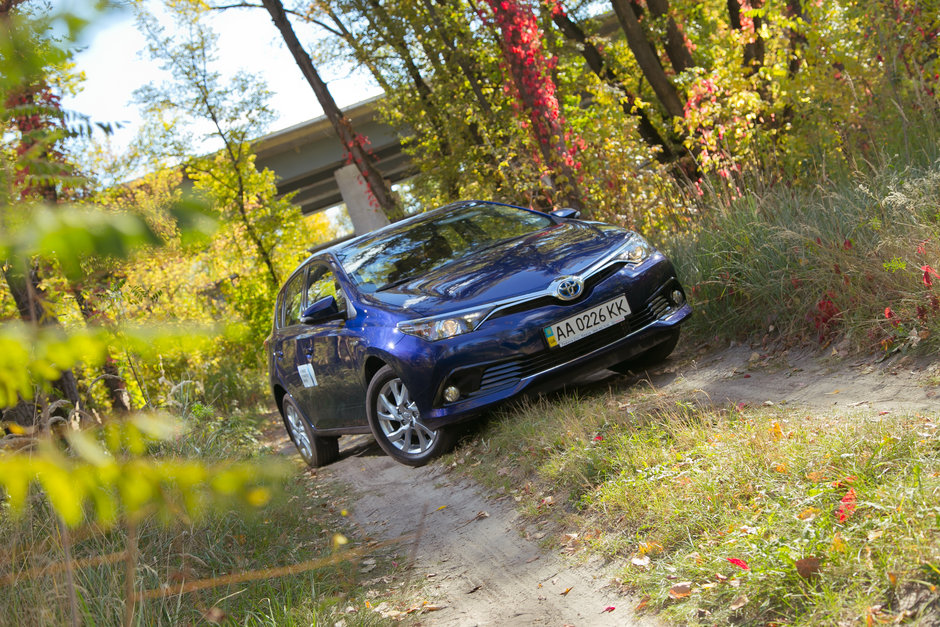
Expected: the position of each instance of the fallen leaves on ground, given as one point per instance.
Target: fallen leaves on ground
(680, 590)
(739, 563)
(847, 505)
(807, 567)
(739, 602)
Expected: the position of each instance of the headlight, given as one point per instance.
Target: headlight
(635, 250)
(442, 327)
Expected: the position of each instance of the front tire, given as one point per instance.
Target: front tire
(396, 424)
(315, 450)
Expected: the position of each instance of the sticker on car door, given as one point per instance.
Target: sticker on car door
(307, 375)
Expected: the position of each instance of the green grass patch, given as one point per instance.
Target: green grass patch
(749, 515)
(857, 257)
(297, 526)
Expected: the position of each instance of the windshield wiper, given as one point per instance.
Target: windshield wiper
(392, 284)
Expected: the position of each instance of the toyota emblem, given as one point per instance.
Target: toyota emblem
(569, 288)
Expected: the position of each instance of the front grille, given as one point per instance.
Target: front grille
(543, 301)
(509, 373)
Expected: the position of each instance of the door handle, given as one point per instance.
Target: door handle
(279, 354)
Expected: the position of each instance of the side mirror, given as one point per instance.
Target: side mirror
(566, 213)
(320, 311)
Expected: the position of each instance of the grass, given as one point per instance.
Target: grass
(297, 526)
(845, 258)
(673, 491)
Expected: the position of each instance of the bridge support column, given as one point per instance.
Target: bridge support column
(364, 211)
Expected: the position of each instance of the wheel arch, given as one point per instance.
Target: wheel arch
(373, 364)
(279, 394)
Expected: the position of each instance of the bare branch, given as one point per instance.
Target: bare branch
(304, 16)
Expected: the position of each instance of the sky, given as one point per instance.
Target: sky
(115, 63)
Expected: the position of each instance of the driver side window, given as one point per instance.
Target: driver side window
(321, 283)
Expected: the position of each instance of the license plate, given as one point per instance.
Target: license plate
(587, 322)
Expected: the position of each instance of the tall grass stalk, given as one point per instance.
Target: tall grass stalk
(851, 257)
(256, 567)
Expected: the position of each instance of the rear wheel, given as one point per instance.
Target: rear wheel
(315, 450)
(649, 358)
(396, 423)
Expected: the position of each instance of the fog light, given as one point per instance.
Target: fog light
(678, 297)
(451, 394)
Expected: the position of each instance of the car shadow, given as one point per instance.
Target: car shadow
(359, 446)
(605, 382)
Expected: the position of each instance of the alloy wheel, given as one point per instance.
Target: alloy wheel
(400, 421)
(297, 431)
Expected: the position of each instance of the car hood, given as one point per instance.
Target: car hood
(515, 267)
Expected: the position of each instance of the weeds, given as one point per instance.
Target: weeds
(735, 515)
(279, 565)
(855, 258)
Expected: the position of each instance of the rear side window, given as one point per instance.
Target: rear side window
(292, 303)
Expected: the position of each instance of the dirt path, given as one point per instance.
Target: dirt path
(802, 378)
(472, 552)
(484, 567)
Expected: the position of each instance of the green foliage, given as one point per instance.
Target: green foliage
(854, 258)
(296, 524)
(117, 473)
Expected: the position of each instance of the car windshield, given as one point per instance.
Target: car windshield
(393, 258)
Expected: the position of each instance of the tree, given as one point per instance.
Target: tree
(235, 113)
(529, 69)
(32, 117)
(664, 151)
(354, 143)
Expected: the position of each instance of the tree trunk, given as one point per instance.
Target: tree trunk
(24, 286)
(679, 55)
(794, 11)
(592, 56)
(647, 59)
(341, 124)
(753, 50)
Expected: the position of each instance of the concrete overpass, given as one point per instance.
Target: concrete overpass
(309, 159)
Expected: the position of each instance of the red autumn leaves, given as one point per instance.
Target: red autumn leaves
(531, 72)
(847, 505)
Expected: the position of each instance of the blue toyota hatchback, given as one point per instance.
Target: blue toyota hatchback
(408, 330)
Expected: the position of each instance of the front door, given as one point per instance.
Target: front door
(332, 394)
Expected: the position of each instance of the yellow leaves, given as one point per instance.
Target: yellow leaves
(113, 471)
(838, 544)
(29, 354)
(257, 497)
(809, 513)
(776, 432)
(649, 548)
